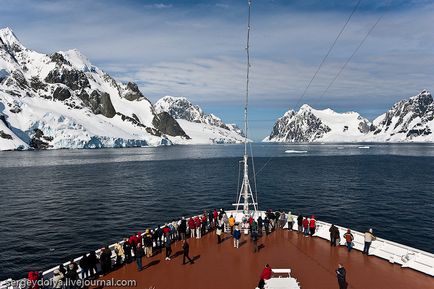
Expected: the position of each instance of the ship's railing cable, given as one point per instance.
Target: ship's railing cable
(351, 56)
(328, 53)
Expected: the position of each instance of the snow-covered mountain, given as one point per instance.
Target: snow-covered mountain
(63, 101)
(310, 125)
(207, 128)
(407, 120)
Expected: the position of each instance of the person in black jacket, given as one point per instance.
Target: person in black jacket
(139, 254)
(334, 235)
(254, 237)
(182, 228)
(63, 271)
(341, 274)
(300, 223)
(71, 275)
(106, 260)
(186, 250)
(260, 225)
(168, 245)
(92, 260)
(158, 236)
(267, 225)
(127, 250)
(84, 265)
(147, 242)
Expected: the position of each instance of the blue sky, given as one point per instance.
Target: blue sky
(196, 49)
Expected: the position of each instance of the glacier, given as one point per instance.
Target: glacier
(63, 101)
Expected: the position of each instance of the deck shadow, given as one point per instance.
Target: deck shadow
(150, 264)
(242, 243)
(177, 254)
(195, 258)
(226, 238)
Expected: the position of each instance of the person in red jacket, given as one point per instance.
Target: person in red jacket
(166, 230)
(139, 238)
(265, 275)
(215, 214)
(192, 227)
(198, 225)
(204, 222)
(133, 243)
(305, 226)
(33, 277)
(312, 225)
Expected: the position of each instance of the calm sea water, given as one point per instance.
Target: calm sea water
(59, 204)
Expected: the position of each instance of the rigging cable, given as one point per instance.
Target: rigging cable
(239, 177)
(351, 56)
(328, 52)
(320, 66)
(254, 175)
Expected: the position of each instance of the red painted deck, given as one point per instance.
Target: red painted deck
(312, 260)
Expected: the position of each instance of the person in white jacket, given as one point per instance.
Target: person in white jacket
(369, 237)
(57, 279)
(290, 221)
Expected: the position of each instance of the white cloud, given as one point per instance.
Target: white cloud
(158, 6)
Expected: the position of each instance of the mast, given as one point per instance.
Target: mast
(246, 190)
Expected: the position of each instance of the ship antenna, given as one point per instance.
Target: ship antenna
(246, 190)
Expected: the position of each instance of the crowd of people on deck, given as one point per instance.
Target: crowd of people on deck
(152, 242)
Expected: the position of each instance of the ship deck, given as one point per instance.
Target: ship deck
(312, 261)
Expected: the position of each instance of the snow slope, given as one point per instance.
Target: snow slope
(8, 139)
(201, 127)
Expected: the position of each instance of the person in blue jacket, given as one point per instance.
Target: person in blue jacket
(237, 236)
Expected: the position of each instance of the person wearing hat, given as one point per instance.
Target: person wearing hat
(265, 275)
(312, 225)
(349, 239)
(369, 237)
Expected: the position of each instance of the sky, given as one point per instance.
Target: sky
(196, 49)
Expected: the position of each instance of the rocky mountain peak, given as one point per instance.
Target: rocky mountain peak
(180, 108)
(9, 39)
(309, 124)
